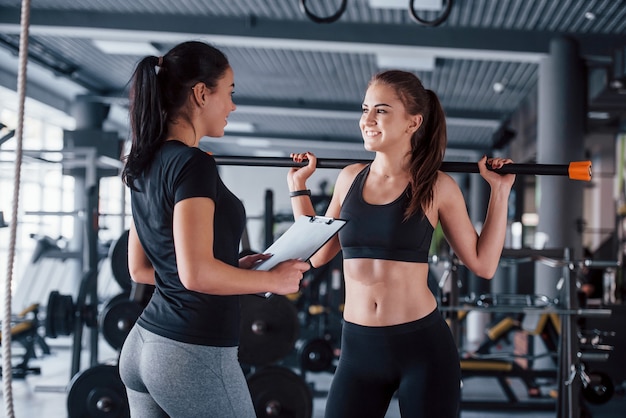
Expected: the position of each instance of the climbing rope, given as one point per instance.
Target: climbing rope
(7, 375)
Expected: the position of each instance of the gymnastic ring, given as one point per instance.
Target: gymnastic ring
(328, 19)
(435, 22)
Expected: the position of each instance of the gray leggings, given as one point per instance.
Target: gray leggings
(166, 378)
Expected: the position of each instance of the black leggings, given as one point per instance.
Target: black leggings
(418, 359)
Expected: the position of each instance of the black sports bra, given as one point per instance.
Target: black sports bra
(379, 231)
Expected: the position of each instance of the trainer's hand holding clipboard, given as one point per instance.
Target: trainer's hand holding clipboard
(307, 235)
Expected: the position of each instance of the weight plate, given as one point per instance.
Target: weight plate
(97, 392)
(315, 355)
(117, 319)
(600, 388)
(60, 315)
(269, 329)
(119, 262)
(278, 392)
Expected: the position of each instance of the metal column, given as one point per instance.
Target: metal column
(561, 124)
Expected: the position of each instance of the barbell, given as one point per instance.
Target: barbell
(116, 319)
(577, 170)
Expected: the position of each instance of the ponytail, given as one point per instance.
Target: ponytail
(428, 146)
(147, 119)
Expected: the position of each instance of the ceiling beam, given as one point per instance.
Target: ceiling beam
(256, 32)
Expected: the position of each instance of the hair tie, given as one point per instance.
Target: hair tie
(160, 63)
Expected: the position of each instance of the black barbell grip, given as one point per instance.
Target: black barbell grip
(537, 169)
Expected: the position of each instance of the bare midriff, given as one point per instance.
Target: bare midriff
(386, 292)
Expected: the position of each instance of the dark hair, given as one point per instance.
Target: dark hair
(159, 97)
(428, 143)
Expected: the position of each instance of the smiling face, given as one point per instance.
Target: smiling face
(219, 104)
(385, 124)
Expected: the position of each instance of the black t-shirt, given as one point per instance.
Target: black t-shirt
(180, 172)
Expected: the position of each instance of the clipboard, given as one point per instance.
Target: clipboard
(307, 235)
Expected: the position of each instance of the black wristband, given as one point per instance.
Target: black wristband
(296, 193)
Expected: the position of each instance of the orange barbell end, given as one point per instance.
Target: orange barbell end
(580, 170)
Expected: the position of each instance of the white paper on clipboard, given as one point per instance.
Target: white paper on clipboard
(307, 235)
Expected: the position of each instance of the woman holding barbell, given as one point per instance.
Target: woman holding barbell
(394, 339)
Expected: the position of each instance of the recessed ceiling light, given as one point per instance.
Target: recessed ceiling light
(126, 48)
(234, 126)
(404, 4)
(268, 153)
(419, 62)
(590, 15)
(253, 142)
(498, 87)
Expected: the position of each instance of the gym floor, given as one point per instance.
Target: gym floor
(45, 395)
